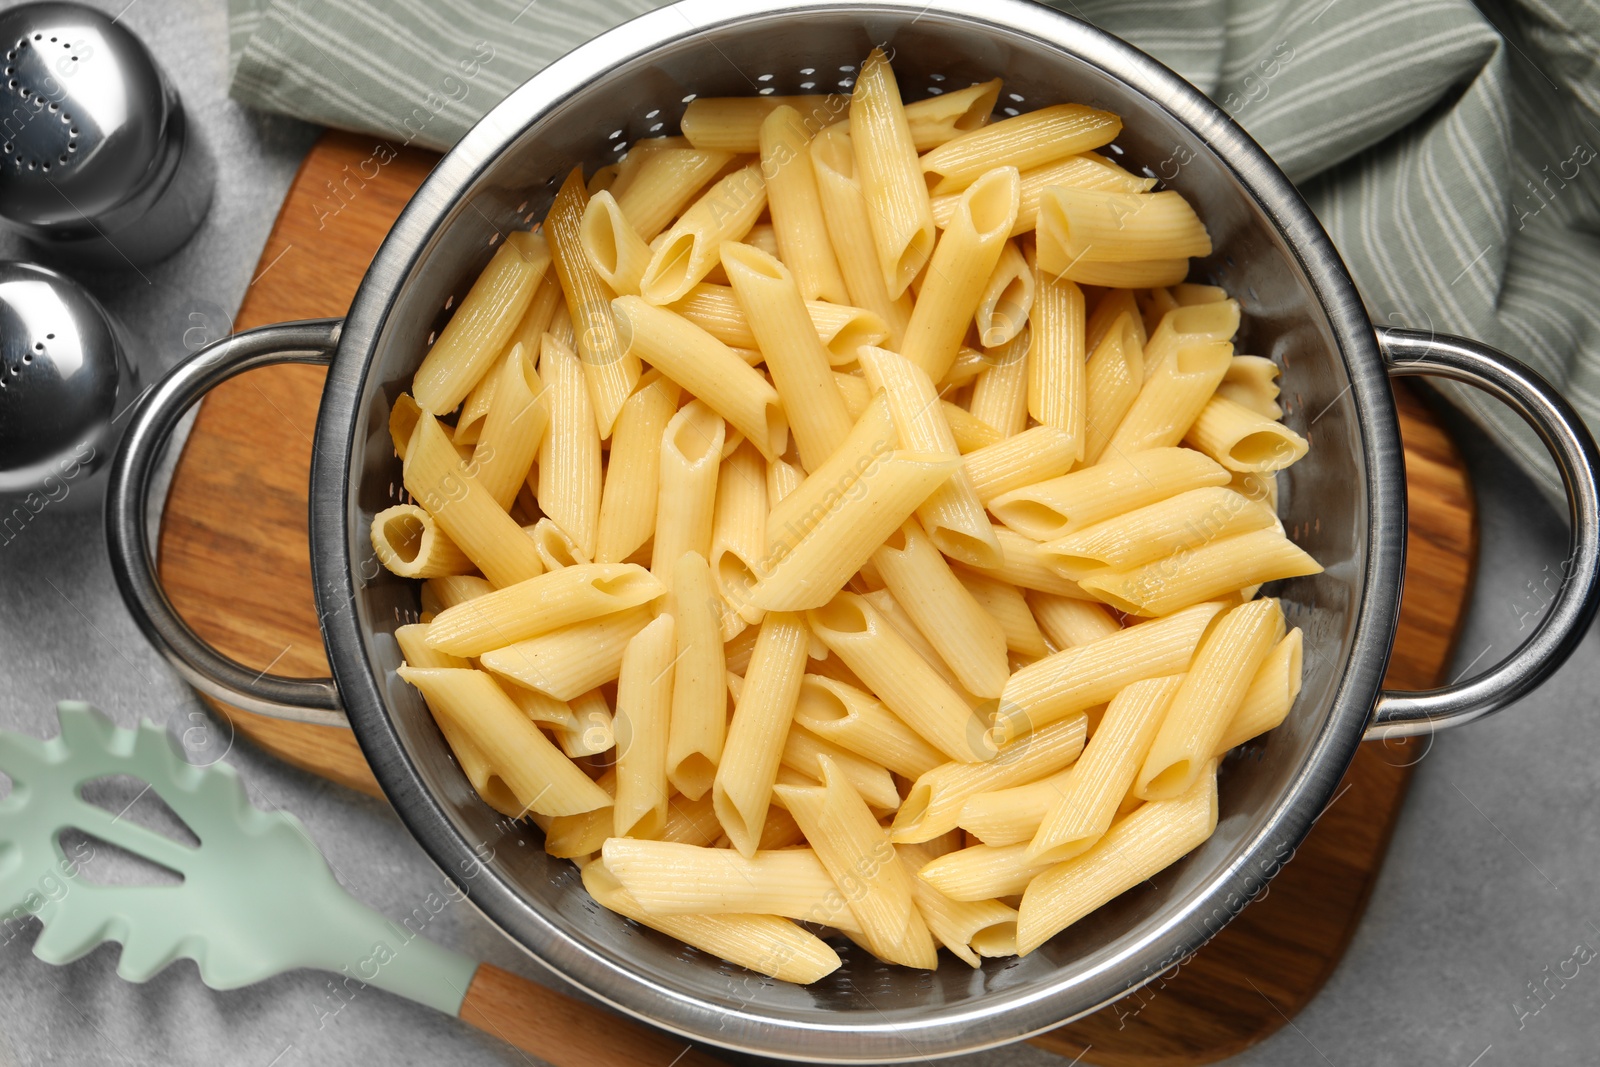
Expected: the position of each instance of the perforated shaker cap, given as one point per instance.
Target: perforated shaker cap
(85, 116)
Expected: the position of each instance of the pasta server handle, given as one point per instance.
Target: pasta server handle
(257, 898)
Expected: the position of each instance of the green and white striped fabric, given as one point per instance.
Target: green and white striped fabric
(1450, 150)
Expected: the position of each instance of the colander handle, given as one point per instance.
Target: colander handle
(314, 700)
(1415, 352)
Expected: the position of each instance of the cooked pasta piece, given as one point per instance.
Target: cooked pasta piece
(852, 719)
(570, 661)
(1080, 226)
(841, 327)
(970, 432)
(982, 872)
(685, 254)
(665, 182)
(1004, 603)
(1253, 382)
(1213, 569)
(691, 458)
(1007, 298)
(1000, 393)
(1012, 815)
(969, 929)
(569, 458)
(1243, 440)
(1173, 394)
(1177, 524)
(1069, 623)
(1113, 378)
(1190, 325)
(796, 207)
(1271, 694)
(512, 430)
(616, 251)
(633, 472)
(441, 593)
(1033, 456)
(699, 719)
(644, 711)
(529, 608)
(742, 789)
(804, 751)
(1023, 563)
(1052, 509)
(409, 543)
(1024, 141)
(891, 175)
(1087, 171)
(846, 212)
(739, 530)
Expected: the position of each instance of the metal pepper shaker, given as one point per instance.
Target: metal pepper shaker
(66, 379)
(99, 164)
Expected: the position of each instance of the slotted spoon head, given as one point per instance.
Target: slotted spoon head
(257, 897)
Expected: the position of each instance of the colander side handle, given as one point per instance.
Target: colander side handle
(1561, 428)
(313, 700)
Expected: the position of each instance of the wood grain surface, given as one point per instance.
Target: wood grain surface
(234, 557)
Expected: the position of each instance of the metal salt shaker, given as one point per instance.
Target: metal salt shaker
(66, 380)
(99, 164)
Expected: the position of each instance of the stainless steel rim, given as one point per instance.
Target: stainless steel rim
(946, 1032)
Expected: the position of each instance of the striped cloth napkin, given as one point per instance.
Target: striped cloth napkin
(1450, 151)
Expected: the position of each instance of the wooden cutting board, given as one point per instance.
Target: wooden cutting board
(234, 557)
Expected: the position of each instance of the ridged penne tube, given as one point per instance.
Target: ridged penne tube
(1173, 394)
(543, 780)
(969, 929)
(1243, 440)
(706, 368)
(685, 254)
(539, 605)
(1139, 846)
(1211, 570)
(742, 789)
(616, 251)
(1190, 325)
(982, 872)
(804, 751)
(856, 851)
(765, 944)
(807, 573)
(1134, 274)
(855, 392)
(699, 701)
(1105, 771)
(1012, 815)
(1107, 310)
(676, 879)
(1035, 455)
(933, 806)
(1007, 298)
(638, 153)
(1052, 509)
(739, 528)
(1078, 678)
(967, 638)
(1069, 623)
(951, 514)
(796, 359)
(1058, 374)
(555, 546)
(593, 729)
(572, 836)
(1004, 604)
(513, 429)
(569, 457)
(901, 677)
(1023, 563)
(838, 712)
(733, 123)
(962, 262)
(644, 714)
(1271, 694)
(609, 367)
(1094, 226)
(1024, 141)
(840, 327)
(1253, 382)
(846, 213)
(691, 822)
(403, 422)
(450, 590)
(796, 207)
(532, 326)
(1000, 393)
(666, 180)
(475, 334)
(970, 432)
(1087, 171)
(414, 648)
(409, 543)
(1112, 380)
(436, 478)
(691, 456)
(1224, 666)
(1177, 524)
(633, 472)
(901, 623)
(481, 773)
(568, 662)
(890, 175)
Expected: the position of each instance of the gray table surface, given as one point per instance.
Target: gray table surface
(1490, 887)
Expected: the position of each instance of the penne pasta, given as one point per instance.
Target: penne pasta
(856, 851)
(1086, 171)
(614, 248)
(707, 368)
(513, 429)
(665, 181)
(409, 543)
(1024, 141)
(536, 606)
(1078, 678)
(804, 751)
(969, 929)
(742, 788)
(475, 334)
(1195, 324)
(1242, 439)
(1113, 378)
(644, 712)
(569, 458)
(1012, 815)
(1111, 306)
(1271, 694)
(1069, 623)
(1052, 509)
(1253, 382)
(699, 718)
(633, 473)
(1034, 456)
(852, 719)
(1004, 603)
(733, 123)
(796, 359)
(796, 207)
(1175, 525)
(1000, 393)
(436, 478)
(1173, 394)
(610, 368)
(441, 593)
(572, 660)
(982, 872)
(846, 213)
(555, 546)
(739, 530)
(591, 729)
(1023, 564)
(691, 458)
(1057, 370)
(687, 251)
(1081, 226)
(1007, 298)
(1213, 569)
(840, 327)
(970, 432)
(890, 175)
